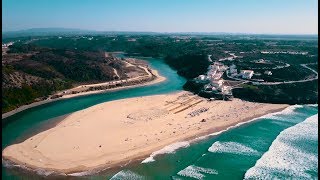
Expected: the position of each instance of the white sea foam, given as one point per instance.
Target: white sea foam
(196, 172)
(287, 158)
(43, 172)
(312, 105)
(232, 147)
(127, 175)
(288, 110)
(176, 178)
(6, 163)
(166, 150)
(84, 173)
(39, 171)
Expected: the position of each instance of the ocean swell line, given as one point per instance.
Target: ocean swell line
(286, 158)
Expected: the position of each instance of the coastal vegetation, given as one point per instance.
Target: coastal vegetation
(32, 73)
(295, 93)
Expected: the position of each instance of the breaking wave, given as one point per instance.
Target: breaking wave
(287, 111)
(232, 147)
(45, 173)
(286, 158)
(84, 173)
(196, 172)
(166, 150)
(127, 175)
(39, 171)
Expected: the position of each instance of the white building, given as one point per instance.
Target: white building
(217, 84)
(202, 77)
(226, 90)
(269, 73)
(246, 74)
(210, 88)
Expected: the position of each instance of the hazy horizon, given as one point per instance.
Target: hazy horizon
(159, 32)
(286, 17)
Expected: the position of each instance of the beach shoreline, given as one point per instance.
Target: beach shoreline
(158, 79)
(157, 133)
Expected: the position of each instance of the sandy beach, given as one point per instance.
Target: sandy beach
(158, 79)
(116, 132)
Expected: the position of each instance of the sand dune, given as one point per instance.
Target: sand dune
(112, 133)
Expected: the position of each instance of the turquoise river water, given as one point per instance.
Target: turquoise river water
(281, 145)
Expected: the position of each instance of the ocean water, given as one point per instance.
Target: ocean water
(276, 146)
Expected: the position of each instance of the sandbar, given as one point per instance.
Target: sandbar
(116, 132)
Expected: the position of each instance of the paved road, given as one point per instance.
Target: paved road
(298, 81)
(87, 86)
(209, 58)
(283, 82)
(305, 65)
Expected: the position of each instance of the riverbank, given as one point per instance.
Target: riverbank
(158, 78)
(116, 132)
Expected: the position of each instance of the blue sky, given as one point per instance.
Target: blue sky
(237, 16)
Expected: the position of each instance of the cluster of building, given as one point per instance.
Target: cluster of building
(6, 45)
(231, 57)
(213, 82)
(244, 74)
(214, 85)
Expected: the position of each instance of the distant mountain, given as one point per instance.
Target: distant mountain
(74, 31)
(46, 32)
